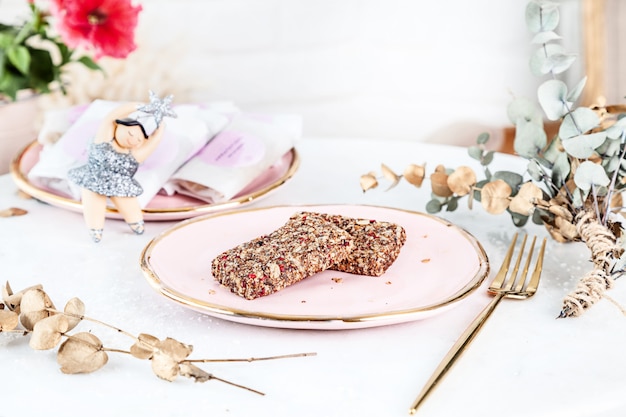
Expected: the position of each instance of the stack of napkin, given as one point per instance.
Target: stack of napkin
(210, 151)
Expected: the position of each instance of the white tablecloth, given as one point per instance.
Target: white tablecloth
(523, 363)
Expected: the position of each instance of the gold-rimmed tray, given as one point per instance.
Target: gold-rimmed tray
(161, 208)
(439, 265)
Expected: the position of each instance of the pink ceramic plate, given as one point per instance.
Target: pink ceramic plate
(161, 207)
(439, 265)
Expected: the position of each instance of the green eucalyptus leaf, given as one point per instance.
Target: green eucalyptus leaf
(541, 16)
(19, 57)
(537, 217)
(453, 204)
(433, 206)
(559, 63)
(550, 59)
(578, 122)
(488, 157)
(534, 170)
(552, 97)
(609, 148)
(553, 150)
(475, 152)
(616, 131)
(513, 179)
(579, 196)
(561, 169)
(584, 146)
(530, 139)
(519, 220)
(577, 90)
(545, 37)
(483, 138)
(590, 174)
(523, 108)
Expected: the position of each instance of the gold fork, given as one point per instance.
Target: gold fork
(499, 288)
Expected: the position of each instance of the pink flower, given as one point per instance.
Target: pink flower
(105, 26)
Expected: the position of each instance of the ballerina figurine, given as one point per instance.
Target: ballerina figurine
(126, 137)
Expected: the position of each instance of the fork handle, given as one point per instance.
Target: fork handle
(455, 352)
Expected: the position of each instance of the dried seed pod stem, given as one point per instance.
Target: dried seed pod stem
(83, 352)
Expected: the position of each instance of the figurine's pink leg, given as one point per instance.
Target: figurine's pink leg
(131, 211)
(94, 208)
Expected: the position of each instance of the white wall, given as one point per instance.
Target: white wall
(400, 69)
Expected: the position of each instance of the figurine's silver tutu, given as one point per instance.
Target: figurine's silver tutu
(108, 172)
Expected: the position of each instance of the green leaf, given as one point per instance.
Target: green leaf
(89, 63)
(475, 152)
(590, 174)
(483, 138)
(545, 37)
(530, 139)
(488, 157)
(578, 122)
(577, 90)
(19, 57)
(584, 146)
(523, 108)
(519, 220)
(534, 170)
(550, 59)
(552, 97)
(542, 16)
(617, 130)
(561, 169)
(433, 206)
(453, 204)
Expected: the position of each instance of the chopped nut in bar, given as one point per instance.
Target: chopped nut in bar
(303, 246)
(377, 244)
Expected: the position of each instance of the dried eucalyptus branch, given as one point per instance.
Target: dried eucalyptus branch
(573, 183)
(83, 352)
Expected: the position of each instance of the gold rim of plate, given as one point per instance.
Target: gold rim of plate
(314, 321)
(24, 184)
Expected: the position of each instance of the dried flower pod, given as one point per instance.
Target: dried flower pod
(81, 353)
(12, 211)
(13, 300)
(368, 181)
(166, 360)
(390, 175)
(494, 196)
(145, 346)
(75, 309)
(439, 182)
(8, 320)
(190, 370)
(566, 228)
(462, 180)
(561, 211)
(526, 199)
(47, 332)
(34, 306)
(415, 174)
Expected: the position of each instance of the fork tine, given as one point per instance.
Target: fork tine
(531, 288)
(509, 283)
(522, 280)
(504, 269)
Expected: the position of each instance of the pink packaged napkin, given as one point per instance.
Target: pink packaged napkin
(238, 154)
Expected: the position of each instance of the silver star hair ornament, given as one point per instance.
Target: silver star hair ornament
(158, 107)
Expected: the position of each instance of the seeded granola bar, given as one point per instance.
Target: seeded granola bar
(303, 246)
(377, 244)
